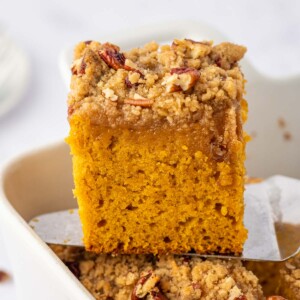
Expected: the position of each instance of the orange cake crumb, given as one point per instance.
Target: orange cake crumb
(158, 147)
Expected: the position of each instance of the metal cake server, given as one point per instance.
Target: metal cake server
(272, 217)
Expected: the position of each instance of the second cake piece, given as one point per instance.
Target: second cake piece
(158, 147)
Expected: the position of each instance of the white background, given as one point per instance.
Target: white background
(270, 30)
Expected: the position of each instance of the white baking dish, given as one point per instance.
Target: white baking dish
(32, 184)
(41, 181)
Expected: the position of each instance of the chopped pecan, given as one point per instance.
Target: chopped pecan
(139, 102)
(144, 286)
(73, 70)
(79, 66)
(113, 58)
(181, 79)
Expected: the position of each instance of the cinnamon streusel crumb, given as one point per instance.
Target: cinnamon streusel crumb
(168, 277)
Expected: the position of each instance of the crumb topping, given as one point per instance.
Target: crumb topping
(161, 277)
(290, 278)
(176, 83)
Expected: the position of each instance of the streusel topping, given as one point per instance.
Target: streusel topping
(176, 83)
(161, 278)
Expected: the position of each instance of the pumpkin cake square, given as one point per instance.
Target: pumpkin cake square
(156, 135)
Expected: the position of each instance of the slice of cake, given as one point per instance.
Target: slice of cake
(158, 147)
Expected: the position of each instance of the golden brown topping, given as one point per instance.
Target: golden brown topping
(181, 79)
(139, 102)
(110, 94)
(226, 55)
(192, 49)
(276, 298)
(133, 78)
(187, 68)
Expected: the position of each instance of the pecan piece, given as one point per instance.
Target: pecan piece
(181, 79)
(144, 286)
(78, 67)
(113, 58)
(139, 102)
